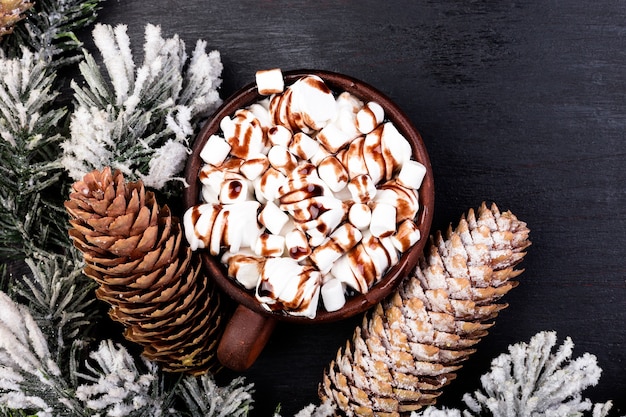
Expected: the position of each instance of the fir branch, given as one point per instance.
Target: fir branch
(31, 217)
(140, 120)
(61, 300)
(50, 29)
(30, 380)
(533, 381)
(116, 386)
(203, 397)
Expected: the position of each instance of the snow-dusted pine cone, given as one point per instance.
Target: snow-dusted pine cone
(132, 248)
(11, 12)
(410, 345)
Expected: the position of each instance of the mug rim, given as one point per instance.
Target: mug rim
(393, 277)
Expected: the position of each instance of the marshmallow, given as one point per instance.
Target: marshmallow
(342, 271)
(333, 138)
(362, 267)
(215, 150)
(196, 234)
(303, 146)
(313, 102)
(262, 113)
(217, 232)
(383, 220)
(362, 189)
(246, 269)
(406, 236)
(209, 195)
(377, 253)
(273, 218)
(353, 159)
(411, 174)
(281, 159)
(270, 245)
(270, 81)
(396, 148)
(211, 176)
(360, 215)
(303, 210)
(332, 172)
(235, 191)
(319, 155)
(297, 245)
(300, 291)
(267, 185)
(255, 166)
(340, 241)
(279, 135)
(369, 117)
(310, 298)
(322, 222)
(276, 274)
(244, 135)
(373, 155)
(242, 230)
(333, 296)
(405, 200)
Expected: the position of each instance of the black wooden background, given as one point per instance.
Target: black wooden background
(520, 102)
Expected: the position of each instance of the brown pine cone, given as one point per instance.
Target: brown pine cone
(410, 345)
(132, 248)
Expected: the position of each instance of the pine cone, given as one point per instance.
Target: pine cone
(132, 248)
(11, 12)
(410, 345)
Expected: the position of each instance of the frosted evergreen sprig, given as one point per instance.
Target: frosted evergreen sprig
(31, 218)
(203, 397)
(140, 120)
(30, 379)
(61, 300)
(532, 380)
(115, 386)
(50, 29)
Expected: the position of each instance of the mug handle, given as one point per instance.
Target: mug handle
(245, 336)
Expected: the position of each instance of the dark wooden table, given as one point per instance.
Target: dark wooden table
(520, 102)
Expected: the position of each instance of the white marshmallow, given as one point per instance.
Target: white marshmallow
(270, 81)
(360, 215)
(273, 218)
(394, 256)
(383, 220)
(297, 245)
(353, 159)
(244, 135)
(303, 146)
(310, 298)
(333, 173)
(300, 290)
(190, 219)
(378, 254)
(313, 101)
(323, 225)
(319, 155)
(267, 186)
(340, 241)
(369, 117)
(235, 190)
(362, 267)
(281, 159)
(342, 271)
(333, 138)
(217, 232)
(212, 177)
(406, 236)
(262, 113)
(396, 147)
(209, 195)
(246, 269)
(405, 200)
(215, 150)
(279, 135)
(412, 174)
(373, 156)
(242, 227)
(362, 189)
(304, 210)
(270, 245)
(276, 274)
(333, 296)
(255, 166)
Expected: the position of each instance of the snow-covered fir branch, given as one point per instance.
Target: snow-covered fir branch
(49, 30)
(533, 380)
(203, 397)
(140, 119)
(30, 157)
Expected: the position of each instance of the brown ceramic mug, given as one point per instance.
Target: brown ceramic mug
(250, 327)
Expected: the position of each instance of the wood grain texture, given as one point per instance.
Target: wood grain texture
(519, 102)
